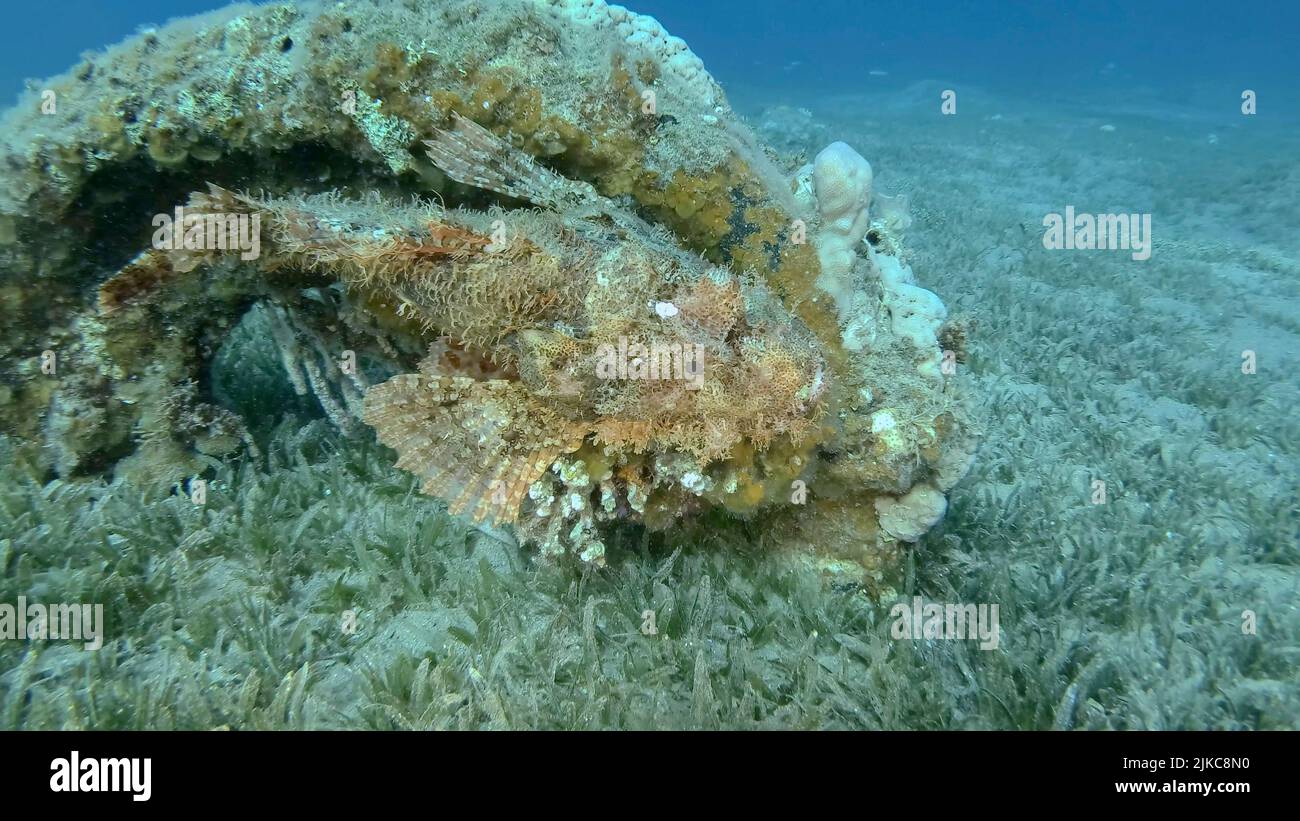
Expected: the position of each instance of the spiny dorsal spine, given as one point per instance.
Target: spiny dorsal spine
(472, 155)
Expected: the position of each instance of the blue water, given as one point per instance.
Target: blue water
(1189, 49)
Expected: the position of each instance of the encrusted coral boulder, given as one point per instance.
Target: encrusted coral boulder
(605, 301)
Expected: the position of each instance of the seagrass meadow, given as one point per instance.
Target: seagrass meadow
(1070, 435)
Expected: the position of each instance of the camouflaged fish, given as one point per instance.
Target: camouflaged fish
(581, 367)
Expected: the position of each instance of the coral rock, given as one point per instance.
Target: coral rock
(531, 221)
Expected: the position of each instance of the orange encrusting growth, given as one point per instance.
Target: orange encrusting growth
(575, 328)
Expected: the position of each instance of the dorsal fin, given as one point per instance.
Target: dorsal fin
(471, 154)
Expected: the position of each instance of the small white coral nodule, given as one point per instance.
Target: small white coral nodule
(908, 517)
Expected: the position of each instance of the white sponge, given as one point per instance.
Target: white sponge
(841, 179)
(908, 517)
(915, 313)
